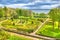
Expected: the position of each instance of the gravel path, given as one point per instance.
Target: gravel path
(23, 36)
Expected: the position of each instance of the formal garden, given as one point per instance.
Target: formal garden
(26, 21)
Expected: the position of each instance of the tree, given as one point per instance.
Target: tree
(43, 15)
(24, 12)
(5, 9)
(1, 12)
(19, 11)
(58, 16)
(54, 15)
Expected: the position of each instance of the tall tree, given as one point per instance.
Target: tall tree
(5, 9)
(54, 15)
(1, 12)
(58, 16)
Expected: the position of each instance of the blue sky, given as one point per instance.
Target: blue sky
(34, 5)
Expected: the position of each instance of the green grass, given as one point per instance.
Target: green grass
(18, 38)
(47, 30)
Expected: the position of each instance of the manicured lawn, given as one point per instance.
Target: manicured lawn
(47, 30)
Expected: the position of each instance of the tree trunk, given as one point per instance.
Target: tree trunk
(58, 25)
(13, 23)
(53, 25)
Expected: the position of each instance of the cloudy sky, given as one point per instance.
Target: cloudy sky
(34, 5)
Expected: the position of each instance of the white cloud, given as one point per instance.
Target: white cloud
(1, 5)
(44, 1)
(15, 5)
(24, 5)
(49, 6)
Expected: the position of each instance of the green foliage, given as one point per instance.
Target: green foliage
(3, 35)
(43, 15)
(14, 37)
(7, 36)
(25, 24)
(27, 21)
(24, 12)
(54, 14)
(40, 15)
(1, 12)
(48, 31)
